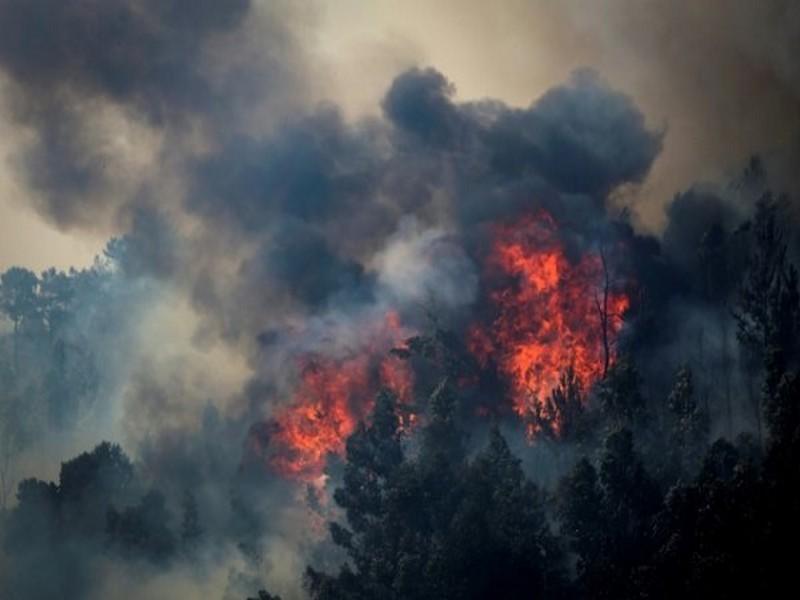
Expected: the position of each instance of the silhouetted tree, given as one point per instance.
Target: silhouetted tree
(620, 395)
(566, 404)
(768, 310)
(18, 300)
(501, 545)
(56, 294)
(374, 454)
(581, 513)
(143, 530)
(607, 516)
(688, 425)
(708, 537)
(437, 525)
(58, 529)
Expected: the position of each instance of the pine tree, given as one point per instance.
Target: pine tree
(499, 542)
(566, 404)
(18, 300)
(581, 513)
(688, 424)
(607, 514)
(374, 454)
(768, 311)
(436, 525)
(620, 395)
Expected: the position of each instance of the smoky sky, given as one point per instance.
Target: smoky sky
(160, 66)
(143, 53)
(321, 196)
(254, 218)
(255, 225)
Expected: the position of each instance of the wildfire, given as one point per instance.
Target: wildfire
(549, 314)
(555, 314)
(332, 396)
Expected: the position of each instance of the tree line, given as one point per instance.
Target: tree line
(651, 507)
(647, 502)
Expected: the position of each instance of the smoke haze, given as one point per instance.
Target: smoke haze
(253, 192)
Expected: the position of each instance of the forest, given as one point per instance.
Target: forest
(679, 489)
(399, 300)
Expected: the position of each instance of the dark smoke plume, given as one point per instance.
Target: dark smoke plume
(261, 237)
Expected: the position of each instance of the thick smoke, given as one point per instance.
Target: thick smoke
(258, 227)
(111, 89)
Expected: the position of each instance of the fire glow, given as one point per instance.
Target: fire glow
(548, 314)
(332, 396)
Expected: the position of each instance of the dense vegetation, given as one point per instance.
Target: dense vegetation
(647, 504)
(651, 508)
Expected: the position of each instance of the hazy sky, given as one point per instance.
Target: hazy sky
(284, 179)
(719, 77)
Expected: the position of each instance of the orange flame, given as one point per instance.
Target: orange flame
(332, 396)
(550, 318)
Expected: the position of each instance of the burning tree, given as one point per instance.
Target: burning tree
(333, 394)
(547, 316)
(438, 525)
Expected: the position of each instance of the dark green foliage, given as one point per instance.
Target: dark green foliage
(374, 453)
(709, 533)
(18, 298)
(89, 484)
(62, 528)
(36, 515)
(105, 471)
(56, 297)
(48, 372)
(620, 395)
(567, 401)
(768, 311)
(606, 515)
(442, 348)
(722, 534)
(500, 539)
(438, 525)
(650, 511)
(780, 520)
(143, 530)
(630, 496)
(782, 411)
(688, 425)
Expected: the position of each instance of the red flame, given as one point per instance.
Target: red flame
(550, 318)
(332, 396)
(548, 315)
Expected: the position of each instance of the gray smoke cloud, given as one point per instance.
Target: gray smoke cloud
(257, 225)
(168, 76)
